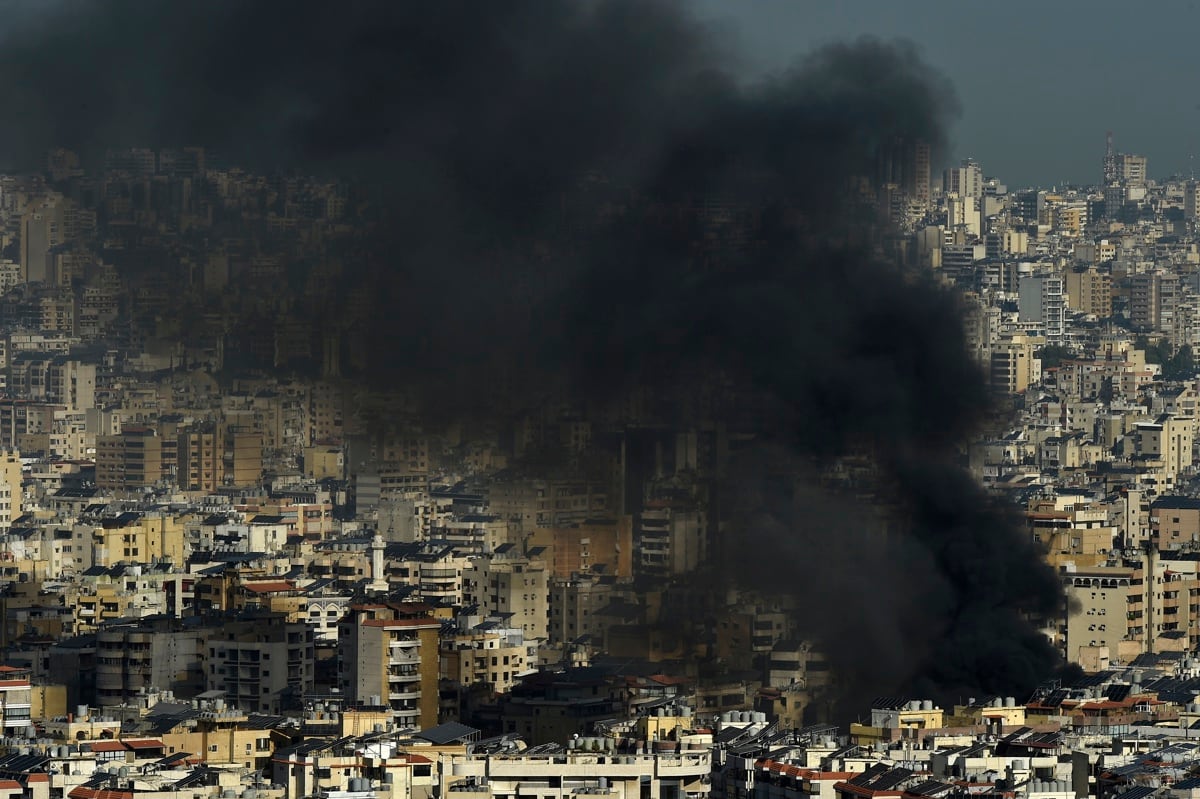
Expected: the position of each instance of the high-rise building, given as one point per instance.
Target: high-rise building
(1169, 439)
(905, 164)
(388, 657)
(965, 180)
(199, 459)
(508, 584)
(1152, 301)
(1090, 291)
(671, 538)
(1014, 365)
(959, 260)
(261, 661)
(10, 487)
(133, 161)
(1191, 200)
(962, 214)
(128, 461)
(921, 169)
(135, 656)
(1040, 298)
(574, 603)
(1131, 169)
(41, 232)
(209, 456)
(243, 457)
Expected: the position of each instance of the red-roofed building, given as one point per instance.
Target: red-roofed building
(120, 749)
(789, 781)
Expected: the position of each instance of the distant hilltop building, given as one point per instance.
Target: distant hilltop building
(1123, 168)
(1125, 178)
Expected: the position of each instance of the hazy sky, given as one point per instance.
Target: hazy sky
(1039, 81)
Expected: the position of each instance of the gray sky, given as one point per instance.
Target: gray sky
(1039, 81)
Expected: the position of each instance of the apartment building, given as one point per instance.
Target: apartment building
(130, 460)
(135, 657)
(1014, 365)
(496, 657)
(596, 770)
(603, 545)
(260, 660)
(11, 494)
(1175, 523)
(388, 657)
(513, 586)
(1170, 440)
(1089, 291)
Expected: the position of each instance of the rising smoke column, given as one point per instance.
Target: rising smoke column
(475, 124)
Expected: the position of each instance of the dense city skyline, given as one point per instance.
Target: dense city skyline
(403, 400)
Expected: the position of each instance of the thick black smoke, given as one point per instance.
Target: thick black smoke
(584, 192)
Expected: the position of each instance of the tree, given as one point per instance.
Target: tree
(1159, 352)
(1052, 355)
(1180, 366)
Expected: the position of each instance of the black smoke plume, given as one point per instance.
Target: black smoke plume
(584, 193)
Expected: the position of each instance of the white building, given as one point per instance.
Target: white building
(1041, 298)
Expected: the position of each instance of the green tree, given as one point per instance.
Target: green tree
(1181, 365)
(1052, 355)
(1159, 352)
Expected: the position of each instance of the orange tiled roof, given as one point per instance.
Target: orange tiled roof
(83, 792)
(270, 586)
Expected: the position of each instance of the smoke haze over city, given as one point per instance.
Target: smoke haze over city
(521, 165)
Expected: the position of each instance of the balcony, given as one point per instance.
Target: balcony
(410, 676)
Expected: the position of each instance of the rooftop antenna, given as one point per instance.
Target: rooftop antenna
(1110, 159)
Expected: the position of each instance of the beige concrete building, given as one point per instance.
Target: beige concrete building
(1170, 440)
(262, 662)
(1014, 366)
(129, 461)
(16, 701)
(1089, 291)
(683, 775)
(1098, 610)
(573, 606)
(513, 586)
(1175, 523)
(1153, 299)
(321, 462)
(225, 735)
(389, 657)
(198, 459)
(11, 494)
(243, 458)
(138, 538)
(495, 658)
(604, 545)
(1071, 532)
(1145, 604)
